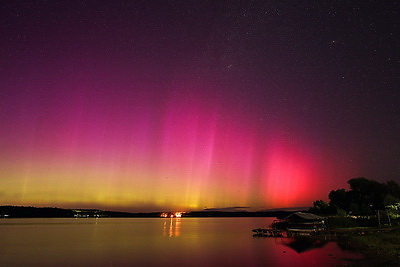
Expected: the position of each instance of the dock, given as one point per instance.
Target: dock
(267, 232)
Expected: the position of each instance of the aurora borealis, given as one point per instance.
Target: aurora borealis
(163, 105)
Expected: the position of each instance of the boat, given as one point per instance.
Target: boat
(267, 232)
(296, 224)
(300, 223)
(303, 231)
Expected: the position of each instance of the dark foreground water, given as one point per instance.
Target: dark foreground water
(156, 242)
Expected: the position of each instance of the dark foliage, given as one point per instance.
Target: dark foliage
(323, 208)
(365, 196)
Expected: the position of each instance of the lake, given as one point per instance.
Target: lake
(155, 242)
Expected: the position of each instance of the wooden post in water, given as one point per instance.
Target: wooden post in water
(379, 219)
(387, 213)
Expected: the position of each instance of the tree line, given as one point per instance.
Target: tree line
(365, 197)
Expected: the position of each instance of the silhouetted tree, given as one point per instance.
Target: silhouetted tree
(322, 207)
(365, 196)
(340, 199)
(393, 189)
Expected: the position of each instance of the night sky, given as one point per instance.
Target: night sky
(165, 105)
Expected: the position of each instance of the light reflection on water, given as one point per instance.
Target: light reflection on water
(154, 242)
(172, 227)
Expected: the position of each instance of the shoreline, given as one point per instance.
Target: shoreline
(52, 212)
(379, 248)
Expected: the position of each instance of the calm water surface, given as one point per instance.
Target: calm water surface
(154, 242)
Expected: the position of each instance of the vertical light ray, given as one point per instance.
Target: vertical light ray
(184, 152)
(286, 174)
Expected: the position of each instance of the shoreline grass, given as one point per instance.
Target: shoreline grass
(380, 248)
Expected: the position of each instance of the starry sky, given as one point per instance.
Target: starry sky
(166, 105)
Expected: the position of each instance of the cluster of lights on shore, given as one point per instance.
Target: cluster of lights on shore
(177, 214)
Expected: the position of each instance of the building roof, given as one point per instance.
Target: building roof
(304, 216)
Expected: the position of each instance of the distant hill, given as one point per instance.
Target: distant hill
(32, 212)
(292, 209)
(50, 212)
(278, 214)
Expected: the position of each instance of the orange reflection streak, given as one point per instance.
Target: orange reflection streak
(172, 227)
(178, 227)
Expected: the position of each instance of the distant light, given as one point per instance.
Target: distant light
(177, 214)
